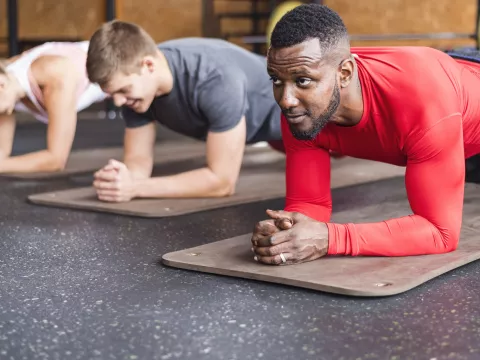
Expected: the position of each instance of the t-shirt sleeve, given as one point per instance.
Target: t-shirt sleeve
(133, 119)
(222, 99)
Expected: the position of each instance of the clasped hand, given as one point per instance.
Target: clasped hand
(114, 183)
(297, 237)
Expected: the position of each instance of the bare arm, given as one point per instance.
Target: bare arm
(59, 83)
(7, 133)
(119, 182)
(218, 178)
(138, 150)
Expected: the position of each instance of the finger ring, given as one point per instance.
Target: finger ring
(283, 258)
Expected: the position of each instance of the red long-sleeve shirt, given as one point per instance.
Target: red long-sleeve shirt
(422, 111)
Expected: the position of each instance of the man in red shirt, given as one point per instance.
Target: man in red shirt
(409, 106)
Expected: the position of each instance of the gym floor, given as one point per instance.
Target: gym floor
(84, 285)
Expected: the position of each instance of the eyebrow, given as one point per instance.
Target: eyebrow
(293, 72)
(301, 70)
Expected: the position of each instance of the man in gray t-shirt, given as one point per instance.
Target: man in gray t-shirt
(215, 84)
(207, 89)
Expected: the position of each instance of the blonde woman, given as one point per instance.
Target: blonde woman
(50, 83)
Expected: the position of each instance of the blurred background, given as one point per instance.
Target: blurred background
(438, 23)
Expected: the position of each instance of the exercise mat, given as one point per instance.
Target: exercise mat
(91, 160)
(262, 178)
(354, 276)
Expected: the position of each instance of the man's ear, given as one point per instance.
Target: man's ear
(149, 63)
(346, 68)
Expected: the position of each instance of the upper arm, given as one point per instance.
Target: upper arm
(307, 177)
(435, 178)
(59, 81)
(139, 141)
(140, 134)
(222, 99)
(225, 152)
(7, 133)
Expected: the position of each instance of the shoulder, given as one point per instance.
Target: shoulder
(411, 80)
(399, 54)
(48, 69)
(198, 45)
(205, 55)
(402, 64)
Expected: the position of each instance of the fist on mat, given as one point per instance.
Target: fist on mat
(114, 182)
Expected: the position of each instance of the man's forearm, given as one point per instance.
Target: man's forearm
(40, 161)
(196, 184)
(404, 236)
(139, 167)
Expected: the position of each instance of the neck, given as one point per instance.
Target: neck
(164, 76)
(350, 112)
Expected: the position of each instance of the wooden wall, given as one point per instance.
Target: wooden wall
(408, 16)
(164, 19)
(167, 19)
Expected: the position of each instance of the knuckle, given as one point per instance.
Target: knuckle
(256, 237)
(272, 251)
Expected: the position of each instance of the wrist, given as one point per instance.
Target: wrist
(138, 187)
(325, 243)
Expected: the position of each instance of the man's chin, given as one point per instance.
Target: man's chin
(140, 108)
(145, 104)
(303, 133)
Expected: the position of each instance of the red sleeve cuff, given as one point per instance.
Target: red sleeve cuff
(341, 239)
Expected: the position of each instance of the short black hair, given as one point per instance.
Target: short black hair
(309, 21)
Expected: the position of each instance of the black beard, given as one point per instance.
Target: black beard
(319, 123)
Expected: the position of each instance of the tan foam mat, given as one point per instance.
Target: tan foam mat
(262, 178)
(89, 161)
(354, 276)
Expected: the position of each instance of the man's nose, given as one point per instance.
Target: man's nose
(288, 99)
(119, 100)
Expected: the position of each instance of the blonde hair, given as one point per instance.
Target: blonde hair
(117, 46)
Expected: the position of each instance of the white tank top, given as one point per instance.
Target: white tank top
(20, 68)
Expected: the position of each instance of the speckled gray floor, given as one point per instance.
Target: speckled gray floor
(80, 285)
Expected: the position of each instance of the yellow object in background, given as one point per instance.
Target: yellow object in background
(278, 13)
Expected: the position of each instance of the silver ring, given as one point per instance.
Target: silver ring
(283, 258)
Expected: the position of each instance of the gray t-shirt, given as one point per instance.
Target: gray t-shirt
(215, 84)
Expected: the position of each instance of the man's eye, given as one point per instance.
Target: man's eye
(275, 80)
(303, 81)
